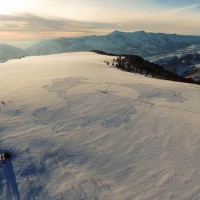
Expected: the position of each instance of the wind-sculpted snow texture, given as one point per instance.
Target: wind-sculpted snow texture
(147, 92)
(112, 111)
(79, 129)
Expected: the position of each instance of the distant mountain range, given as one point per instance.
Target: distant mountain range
(185, 65)
(139, 43)
(8, 52)
(146, 45)
(136, 64)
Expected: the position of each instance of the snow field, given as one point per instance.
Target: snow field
(79, 129)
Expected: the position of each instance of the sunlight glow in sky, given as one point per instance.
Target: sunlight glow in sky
(26, 21)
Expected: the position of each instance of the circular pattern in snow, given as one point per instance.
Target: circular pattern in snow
(85, 110)
(148, 92)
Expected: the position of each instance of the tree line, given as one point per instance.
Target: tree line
(136, 64)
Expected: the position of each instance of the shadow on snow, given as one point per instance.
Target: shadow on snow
(8, 174)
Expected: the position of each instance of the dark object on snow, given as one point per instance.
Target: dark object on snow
(7, 155)
(3, 103)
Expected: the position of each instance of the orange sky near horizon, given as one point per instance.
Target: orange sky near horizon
(35, 20)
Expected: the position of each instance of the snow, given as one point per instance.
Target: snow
(148, 45)
(79, 129)
(8, 52)
(151, 46)
(165, 60)
(183, 64)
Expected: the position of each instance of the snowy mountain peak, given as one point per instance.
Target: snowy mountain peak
(118, 42)
(117, 32)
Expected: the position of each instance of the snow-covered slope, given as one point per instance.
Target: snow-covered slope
(185, 64)
(140, 43)
(8, 52)
(193, 49)
(79, 129)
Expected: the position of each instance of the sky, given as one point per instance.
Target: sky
(25, 22)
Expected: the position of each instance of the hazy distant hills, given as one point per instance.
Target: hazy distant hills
(8, 52)
(147, 45)
(186, 64)
(140, 43)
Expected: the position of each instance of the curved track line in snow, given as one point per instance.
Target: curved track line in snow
(163, 106)
(183, 110)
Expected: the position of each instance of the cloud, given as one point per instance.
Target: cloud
(33, 24)
(184, 8)
(179, 3)
(30, 27)
(24, 30)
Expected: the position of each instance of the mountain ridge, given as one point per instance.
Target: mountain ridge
(148, 45)
(145, 44)
(8, 52)
(185, 65)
